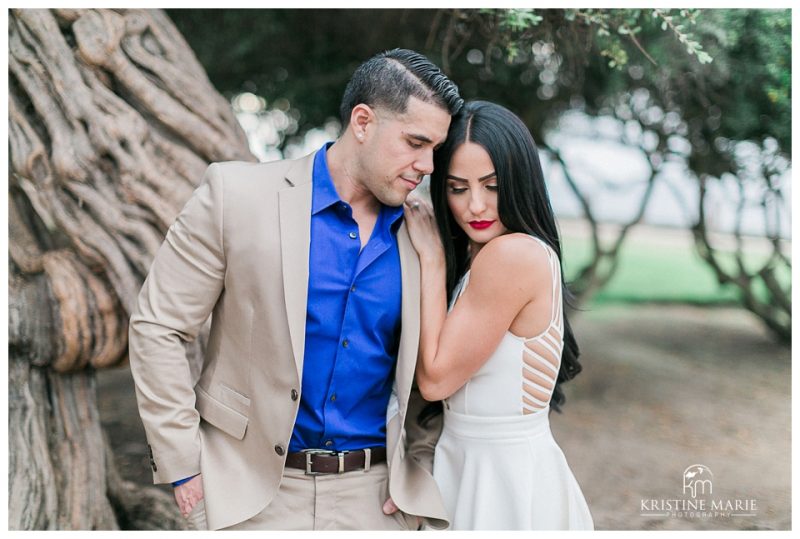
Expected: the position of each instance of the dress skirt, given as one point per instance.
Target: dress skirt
(506, 473)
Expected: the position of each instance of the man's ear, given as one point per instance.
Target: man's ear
(362, 120)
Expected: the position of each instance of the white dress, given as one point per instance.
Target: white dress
(496, 464)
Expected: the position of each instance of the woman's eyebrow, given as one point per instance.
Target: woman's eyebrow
(484, 178)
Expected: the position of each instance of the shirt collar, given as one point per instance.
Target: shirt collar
(393, 216)
(325, 195)
(324, 192)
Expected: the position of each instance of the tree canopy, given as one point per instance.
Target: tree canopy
(536, 62)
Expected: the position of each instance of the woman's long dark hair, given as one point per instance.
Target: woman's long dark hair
(523, 204)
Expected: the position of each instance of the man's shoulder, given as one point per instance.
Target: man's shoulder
(242, 181)
(245, 172)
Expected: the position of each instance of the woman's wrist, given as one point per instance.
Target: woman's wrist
(432, 259)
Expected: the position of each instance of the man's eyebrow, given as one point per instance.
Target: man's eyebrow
(421, 138)
(484, 178)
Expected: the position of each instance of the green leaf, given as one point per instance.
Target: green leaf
(704, 58)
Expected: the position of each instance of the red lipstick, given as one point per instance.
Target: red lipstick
(480, 225)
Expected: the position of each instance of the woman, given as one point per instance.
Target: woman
(497, 357)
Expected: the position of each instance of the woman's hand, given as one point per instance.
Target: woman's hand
(423, 230)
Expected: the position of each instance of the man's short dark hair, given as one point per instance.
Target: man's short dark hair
(389, 78)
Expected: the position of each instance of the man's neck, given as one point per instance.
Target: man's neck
(344, 172)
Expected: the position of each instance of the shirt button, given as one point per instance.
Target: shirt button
(328, 443)
(353, 288)
(345, 343)
(353, 235)
(294, 394)
(333, 397)
(279, 449)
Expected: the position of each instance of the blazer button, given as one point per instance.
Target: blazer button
(294, 394)
(152, 460)
(279, 450)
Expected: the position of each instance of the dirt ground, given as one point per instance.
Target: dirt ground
(663, 388)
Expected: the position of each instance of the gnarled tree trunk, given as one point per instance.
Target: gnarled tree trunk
(111, 123)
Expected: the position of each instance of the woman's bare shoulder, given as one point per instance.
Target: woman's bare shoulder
(515, 261)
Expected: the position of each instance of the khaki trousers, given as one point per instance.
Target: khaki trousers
(348, 501)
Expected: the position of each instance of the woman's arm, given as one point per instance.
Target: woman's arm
(424, 236)
(505, 276)
(433, 315)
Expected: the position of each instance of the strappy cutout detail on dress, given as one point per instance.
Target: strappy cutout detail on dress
(541, 355)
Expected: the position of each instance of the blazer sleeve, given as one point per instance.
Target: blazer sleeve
(421, 439)
(178, 295)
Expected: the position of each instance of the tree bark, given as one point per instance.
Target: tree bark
(112, 122)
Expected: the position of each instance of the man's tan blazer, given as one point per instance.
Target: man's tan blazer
(239, 251)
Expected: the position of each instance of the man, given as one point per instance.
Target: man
(304, 416)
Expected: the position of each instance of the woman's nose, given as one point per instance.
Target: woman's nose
(476, 203)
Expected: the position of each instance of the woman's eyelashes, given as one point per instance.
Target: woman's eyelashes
(456, 190)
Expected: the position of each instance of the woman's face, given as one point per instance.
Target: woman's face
(472, 194)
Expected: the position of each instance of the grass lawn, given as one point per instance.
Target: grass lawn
(657, 273)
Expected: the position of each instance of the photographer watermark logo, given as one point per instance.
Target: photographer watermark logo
(697, 478)
(697, 500)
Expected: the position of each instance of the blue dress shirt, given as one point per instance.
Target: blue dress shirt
(352, 324)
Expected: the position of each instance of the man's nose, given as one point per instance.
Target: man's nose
(424, 164)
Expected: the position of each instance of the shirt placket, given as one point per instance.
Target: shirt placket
(348, 330)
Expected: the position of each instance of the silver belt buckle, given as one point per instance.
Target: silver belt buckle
(310, 452)
(367, 458)
(341, 460)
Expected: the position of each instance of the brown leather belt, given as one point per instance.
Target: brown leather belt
(322, 461)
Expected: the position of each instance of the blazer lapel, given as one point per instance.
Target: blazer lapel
(409, 335)
(295, 229)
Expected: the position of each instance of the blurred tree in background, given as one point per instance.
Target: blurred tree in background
(709, 89)
(111, 124)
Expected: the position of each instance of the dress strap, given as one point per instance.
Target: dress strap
(556, 307)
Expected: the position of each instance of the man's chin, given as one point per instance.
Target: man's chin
(394, 200)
